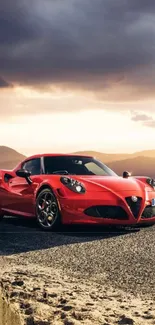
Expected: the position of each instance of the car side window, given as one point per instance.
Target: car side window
(33, 166)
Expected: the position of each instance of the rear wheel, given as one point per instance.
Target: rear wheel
(47, 210)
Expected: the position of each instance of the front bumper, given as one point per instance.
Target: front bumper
(112, 208)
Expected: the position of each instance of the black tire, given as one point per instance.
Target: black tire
(47, 211)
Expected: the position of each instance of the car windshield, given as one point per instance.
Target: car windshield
(75, 165)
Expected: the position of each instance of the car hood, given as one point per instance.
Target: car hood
(104, 183)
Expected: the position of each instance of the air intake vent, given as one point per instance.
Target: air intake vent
(149, 212)
(134, 206)
(107, 212)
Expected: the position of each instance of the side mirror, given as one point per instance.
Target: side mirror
(24, 174)
(126, 174)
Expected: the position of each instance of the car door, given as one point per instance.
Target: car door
(22, 193)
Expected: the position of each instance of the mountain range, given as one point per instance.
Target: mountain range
(9, 157)
(138, 163)
(141, 163)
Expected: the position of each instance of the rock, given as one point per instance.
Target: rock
(126, 321)
(78, 315)
(29, 311)
(42, 322)
(67, 308)
(24, 305)
(18, 283)
(63, 301)
(68, 322)
(84, 309)
(14, 294)
(30, 321)
(36, 288)
(63, 315)
(45, 295)
(52, 295)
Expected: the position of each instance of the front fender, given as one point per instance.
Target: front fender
(143, 180)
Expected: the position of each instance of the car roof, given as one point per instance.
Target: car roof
(57, 155)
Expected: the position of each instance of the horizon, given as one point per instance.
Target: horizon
(66, 84)
(69, 152)
(137, 163)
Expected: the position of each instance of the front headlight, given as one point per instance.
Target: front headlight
(151, 182)
(73, 184)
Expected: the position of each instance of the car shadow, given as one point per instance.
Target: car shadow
(19, 235)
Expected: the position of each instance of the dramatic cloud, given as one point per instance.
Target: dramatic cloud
(145, 119)
(4, 83)
(150, 123)
(141, 118)
(105, 46)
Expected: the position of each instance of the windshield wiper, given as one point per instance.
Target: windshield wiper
(62, 172)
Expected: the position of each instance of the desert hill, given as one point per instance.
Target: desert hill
(140, 163)
(9, 157)
(140, 166)
(104, 157)
(110, 157)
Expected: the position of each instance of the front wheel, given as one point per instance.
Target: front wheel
(47, 210)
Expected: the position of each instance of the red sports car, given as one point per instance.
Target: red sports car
(74, 189)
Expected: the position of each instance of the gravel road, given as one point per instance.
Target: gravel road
(124, 259)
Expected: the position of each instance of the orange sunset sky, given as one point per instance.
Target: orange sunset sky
(77, 75)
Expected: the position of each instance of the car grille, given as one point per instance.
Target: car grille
(107, 212)
(134, 206)
(149, 212)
